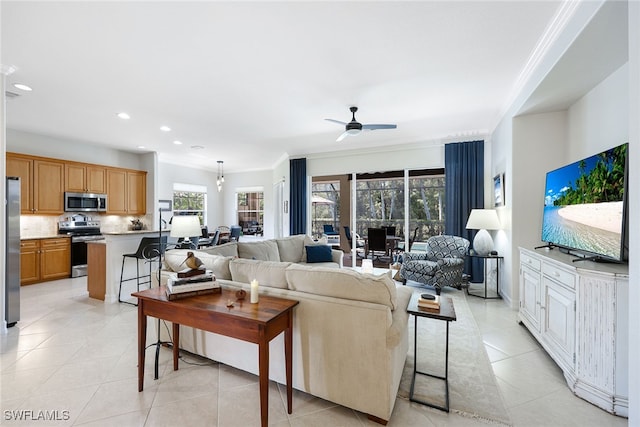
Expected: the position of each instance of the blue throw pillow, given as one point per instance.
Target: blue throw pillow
(318, 253)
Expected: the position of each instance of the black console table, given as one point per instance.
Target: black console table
(486, 259)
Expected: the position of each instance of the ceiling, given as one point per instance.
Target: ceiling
(252, 82)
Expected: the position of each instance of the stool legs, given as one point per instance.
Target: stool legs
(137, 279)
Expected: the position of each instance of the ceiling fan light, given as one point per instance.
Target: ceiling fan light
(353, 131)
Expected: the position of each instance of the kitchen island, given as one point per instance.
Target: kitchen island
(115, 245)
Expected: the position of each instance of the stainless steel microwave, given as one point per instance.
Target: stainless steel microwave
(85, 202)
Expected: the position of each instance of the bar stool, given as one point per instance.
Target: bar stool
(149, 250)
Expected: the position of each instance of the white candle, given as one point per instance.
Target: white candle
(254, 291)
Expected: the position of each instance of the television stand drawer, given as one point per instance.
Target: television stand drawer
(559, 275)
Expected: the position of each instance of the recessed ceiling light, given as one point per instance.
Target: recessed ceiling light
(197, 147)
(165, 128)
(124, 116)
(22, 87)
(177, 142)
(141, 147)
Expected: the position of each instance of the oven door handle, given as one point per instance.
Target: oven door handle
(78, 239)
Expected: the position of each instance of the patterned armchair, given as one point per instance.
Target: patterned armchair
(441, 265)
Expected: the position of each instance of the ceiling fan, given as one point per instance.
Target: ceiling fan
(354, 128)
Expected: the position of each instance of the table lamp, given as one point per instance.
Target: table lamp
(185, 226)
(483, 220)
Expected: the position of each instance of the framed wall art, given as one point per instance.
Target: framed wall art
(498, 190)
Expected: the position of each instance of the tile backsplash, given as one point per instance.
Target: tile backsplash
(35, 226)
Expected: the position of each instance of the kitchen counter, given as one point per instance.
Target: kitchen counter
(116, 244)
(130, 232)
(55, 236)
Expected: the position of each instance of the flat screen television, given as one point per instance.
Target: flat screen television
(585, 206)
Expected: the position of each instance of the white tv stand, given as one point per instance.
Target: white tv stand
(579, 314)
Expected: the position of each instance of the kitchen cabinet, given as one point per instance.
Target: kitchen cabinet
(44, 259)
(41, 184)
(578, 312)
(85, 178)
(126, 192)
(29, 262)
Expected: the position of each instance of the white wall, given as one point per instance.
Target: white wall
(414, 156)
(79, 151)
(235, 181)
(169, 174)
(634, 207)
(600, 119)
(539, 145)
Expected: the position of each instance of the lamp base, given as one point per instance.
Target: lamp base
(483, 243)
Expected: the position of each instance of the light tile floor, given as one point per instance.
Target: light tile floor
(77, 356)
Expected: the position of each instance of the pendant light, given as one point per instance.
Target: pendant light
(220, 179)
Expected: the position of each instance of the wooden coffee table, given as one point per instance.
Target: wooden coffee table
(257, 323)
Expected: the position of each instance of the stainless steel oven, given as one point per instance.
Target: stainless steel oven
(82, 230)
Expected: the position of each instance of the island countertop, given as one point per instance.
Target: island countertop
(130, 232)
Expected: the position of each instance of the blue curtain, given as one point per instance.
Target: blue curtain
(464, 184)
(298, 196)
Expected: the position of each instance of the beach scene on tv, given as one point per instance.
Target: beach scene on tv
(584, 204)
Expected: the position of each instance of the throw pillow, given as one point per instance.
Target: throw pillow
(318, 253)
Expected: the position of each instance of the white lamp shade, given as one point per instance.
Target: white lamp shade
(185, 226)
(483, 219)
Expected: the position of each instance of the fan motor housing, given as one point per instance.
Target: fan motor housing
(353, 126)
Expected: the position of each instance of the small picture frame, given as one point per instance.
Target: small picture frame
(498, 190)
(164, 205)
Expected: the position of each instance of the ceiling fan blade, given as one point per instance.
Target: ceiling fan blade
(374, 127)
(342, 136)
(336, 121)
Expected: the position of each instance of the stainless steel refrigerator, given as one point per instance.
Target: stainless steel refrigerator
(12, 269)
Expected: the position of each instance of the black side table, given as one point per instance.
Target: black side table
(447, 314)
(486, 259)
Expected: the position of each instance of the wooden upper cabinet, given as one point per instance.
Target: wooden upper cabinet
(116, 191)
(22, 167)
(48, 187)
(126, 192)
(81, 178)
(41, 184)
(137, 192)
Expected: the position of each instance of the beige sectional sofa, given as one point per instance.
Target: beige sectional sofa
(350, 329)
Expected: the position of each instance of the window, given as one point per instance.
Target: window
(250, 208)
(325, 206)
(426, 206)
(380, 202)
(190, 200)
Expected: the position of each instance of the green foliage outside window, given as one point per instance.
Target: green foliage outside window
(189, 203)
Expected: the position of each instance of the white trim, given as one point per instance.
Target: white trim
(193, 188)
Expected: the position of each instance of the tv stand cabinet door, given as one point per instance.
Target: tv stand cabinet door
(559, 321)
(530, 296)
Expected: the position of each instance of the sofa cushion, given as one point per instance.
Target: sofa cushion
(308, 241)
(219, 265)
(342, 283)
(228, 249)
(264, 250)
(291, 248)
(267, 273)
(318, 253)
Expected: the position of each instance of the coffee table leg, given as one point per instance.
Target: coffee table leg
(288, 355)
(263, 370)
(142, 342)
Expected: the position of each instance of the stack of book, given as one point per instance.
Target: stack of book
(432, 302)
(197, 284)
